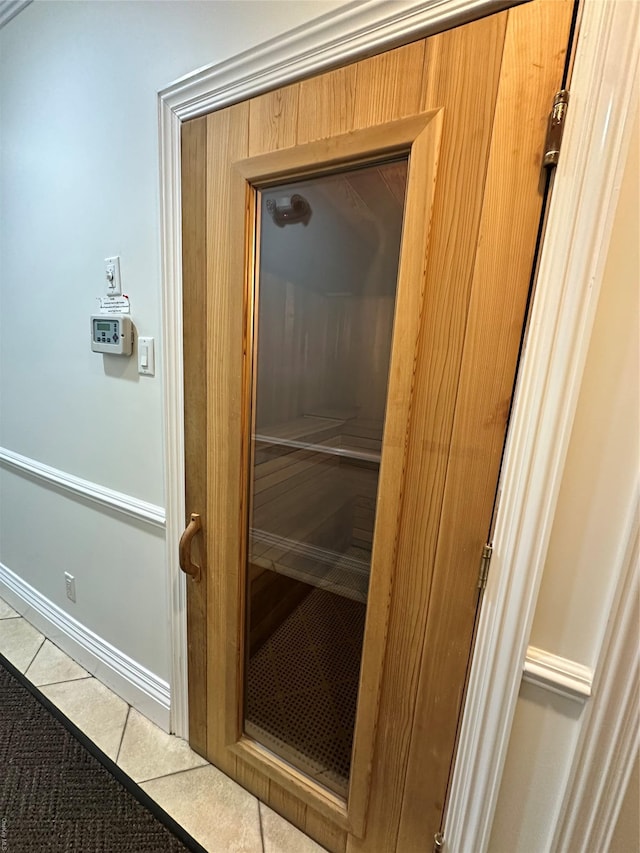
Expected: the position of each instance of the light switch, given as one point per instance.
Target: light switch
(112, 276)
(146, 356)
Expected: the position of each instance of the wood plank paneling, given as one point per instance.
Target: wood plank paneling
(332, 100)
(227, 136)
(536, 41)
(390, 86)
(273, 120)
(466, 83)
(194, 254)
(460, 299)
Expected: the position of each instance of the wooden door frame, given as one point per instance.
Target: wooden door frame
(579, 225)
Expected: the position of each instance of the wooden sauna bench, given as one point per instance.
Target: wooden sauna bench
(314, 502)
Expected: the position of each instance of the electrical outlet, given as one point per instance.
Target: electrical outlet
(70, 586)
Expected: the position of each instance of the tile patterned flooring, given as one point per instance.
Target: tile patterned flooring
(216, 811)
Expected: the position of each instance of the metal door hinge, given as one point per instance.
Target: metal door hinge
(438, 842)
(555, 128)
(487, 551)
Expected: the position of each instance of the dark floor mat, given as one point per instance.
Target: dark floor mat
(60, 794)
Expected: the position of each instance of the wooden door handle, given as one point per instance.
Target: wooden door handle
(184, 549)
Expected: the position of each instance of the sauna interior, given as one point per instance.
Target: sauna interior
(324, 294)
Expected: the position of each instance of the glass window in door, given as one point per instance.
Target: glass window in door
(327, 267)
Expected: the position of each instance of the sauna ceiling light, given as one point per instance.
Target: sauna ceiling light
(289, 208)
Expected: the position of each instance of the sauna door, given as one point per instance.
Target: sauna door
(357, 255)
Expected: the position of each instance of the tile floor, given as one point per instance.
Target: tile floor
(221, 815)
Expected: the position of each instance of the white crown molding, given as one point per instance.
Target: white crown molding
(610, 736)
(579, 226)
(557, 674)
(130, 680)
(10, 8)
(84, 489)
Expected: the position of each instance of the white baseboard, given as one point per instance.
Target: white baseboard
(130, 680)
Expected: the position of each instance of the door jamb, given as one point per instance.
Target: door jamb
(571, 265)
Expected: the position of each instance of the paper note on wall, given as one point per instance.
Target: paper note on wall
(114, 305)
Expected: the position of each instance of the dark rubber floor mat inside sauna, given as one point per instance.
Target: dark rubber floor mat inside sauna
(303, 687)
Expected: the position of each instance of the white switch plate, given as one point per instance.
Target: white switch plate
(146, 356)
(112, 276)
(70, 586)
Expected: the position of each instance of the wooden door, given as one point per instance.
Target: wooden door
(466, 110)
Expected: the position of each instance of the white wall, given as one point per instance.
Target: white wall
(590, 526)
(79, 182)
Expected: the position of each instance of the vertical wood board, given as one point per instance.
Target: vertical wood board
(535, 45)
(227, 135)
(194, 168)
(465, 88)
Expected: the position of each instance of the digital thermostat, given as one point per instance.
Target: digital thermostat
(111, 333)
